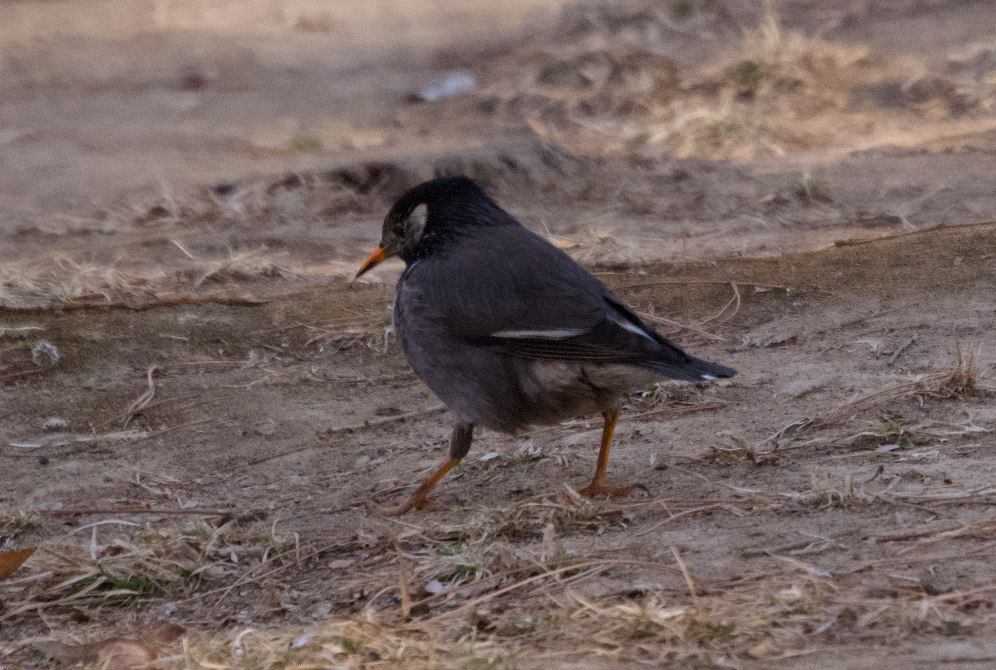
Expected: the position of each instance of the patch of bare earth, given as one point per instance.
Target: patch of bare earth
(201, 416)
(836, 493)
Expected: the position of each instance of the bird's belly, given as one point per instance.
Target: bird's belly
(553, 391)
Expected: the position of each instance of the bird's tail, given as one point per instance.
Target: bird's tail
(692, 370)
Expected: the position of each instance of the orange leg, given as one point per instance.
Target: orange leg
(459, 446)
(597, 486)
(420, 498)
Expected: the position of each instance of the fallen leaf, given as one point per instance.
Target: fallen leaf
(165, 633)
(123, 654)
(11, 560)
(115, 653)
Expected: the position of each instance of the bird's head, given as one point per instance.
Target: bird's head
(433, 209)
(404, 227)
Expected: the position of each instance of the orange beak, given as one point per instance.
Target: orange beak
(376, 258)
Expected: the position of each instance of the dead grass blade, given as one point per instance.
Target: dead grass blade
(144, 399)
(19, 332)
(679, 515)
(735, 302)
(653, 318)
(664, 282)
(901, 348)
(688, 579)
(933, 229)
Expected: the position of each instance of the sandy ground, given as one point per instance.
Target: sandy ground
(832, 505)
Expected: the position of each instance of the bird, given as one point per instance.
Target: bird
(508, 331)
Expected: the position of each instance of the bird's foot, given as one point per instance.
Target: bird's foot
(420, 499)
(594, 489)
(415, 502)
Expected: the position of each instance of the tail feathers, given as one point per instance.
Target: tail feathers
(692, 370)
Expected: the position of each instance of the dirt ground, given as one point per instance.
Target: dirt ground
(228, 411)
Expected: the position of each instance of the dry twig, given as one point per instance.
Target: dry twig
(143, 399)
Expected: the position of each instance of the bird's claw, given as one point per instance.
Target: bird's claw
(416, 502)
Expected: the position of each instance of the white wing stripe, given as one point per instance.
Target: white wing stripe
(633, 328)
(543, 334)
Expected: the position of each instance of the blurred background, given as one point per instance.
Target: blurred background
(138, 138)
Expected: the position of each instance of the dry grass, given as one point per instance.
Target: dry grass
(965, 379)
(303, 200)
(61, 279)
(499, 586)
(239, 265)
(782, 613)
(306, 198)
(780, 92)
(496, 588)
(373, 329)
(121, 570)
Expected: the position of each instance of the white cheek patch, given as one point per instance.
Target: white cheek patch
(540, 334)
(414, 223)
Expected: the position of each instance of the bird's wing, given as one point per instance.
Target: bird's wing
(510, 291)
(617, 336)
